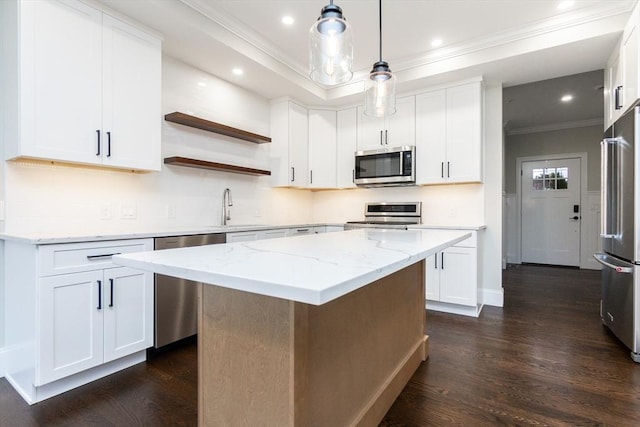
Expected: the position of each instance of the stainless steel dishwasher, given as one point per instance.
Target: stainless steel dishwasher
(176, 299)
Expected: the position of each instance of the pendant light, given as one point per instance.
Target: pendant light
(380, 86)
(330, 47)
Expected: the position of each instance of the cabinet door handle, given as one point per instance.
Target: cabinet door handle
(448, 170)
(380, 137)
(97, 257)
(442, 260)
(386, 137)
(618, 101)
(108, 144)
(311, 177)
(293, 174)
(435, 261)
(353, 175)
(99, 294)
(441, 169)
(111, 292)
(98, 150)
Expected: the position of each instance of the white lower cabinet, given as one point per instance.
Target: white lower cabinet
(93, 317)
(81, 317)
(451, 279)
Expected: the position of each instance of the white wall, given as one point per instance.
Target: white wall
(490, 263)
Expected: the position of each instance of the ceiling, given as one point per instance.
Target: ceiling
(538, 106)
(508, 42)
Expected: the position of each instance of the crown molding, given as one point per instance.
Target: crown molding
(555, 126)
(298, 72)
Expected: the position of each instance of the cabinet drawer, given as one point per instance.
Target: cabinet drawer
(75, 257)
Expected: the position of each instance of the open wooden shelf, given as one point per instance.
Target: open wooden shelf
(198, 123)
(203, 164)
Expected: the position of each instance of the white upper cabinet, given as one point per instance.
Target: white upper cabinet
(131, 97)
(622, 79)
(79, 81)
(289, 144)
(347, 146)
(449, 135)
(396, 130)
(322, 149)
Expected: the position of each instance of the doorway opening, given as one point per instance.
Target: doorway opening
(550, 191)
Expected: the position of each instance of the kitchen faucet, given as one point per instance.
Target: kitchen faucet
(226, 202)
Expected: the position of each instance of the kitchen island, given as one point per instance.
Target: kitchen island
(306, 331)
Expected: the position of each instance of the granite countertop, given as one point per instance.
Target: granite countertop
(312, 269)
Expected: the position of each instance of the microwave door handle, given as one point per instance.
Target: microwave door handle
(401, 172)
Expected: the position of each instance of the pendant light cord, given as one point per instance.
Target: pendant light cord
(380, 19)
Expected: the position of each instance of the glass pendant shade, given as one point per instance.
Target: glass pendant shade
(330, 48)
(380, 91)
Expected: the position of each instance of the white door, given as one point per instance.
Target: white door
(128, 311)
(71, 322)
(298, 145)
(322, 149)
(400, 127)
(464, 133)
(431, 137)
(347, 141)
(551, 212)
(458, 284)
(432, 277)
(62, 80)
(131, 116)
(370, 134)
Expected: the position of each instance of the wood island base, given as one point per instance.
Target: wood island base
(265, 361)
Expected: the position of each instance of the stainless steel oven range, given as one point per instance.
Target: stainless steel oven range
(391, 215)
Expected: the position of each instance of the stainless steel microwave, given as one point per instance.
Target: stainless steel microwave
(386, 167)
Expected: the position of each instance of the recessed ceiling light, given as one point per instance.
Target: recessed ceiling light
(238, 71)
(202, 84)
(436, 42)
(288, 20)
(565, 4)
(566, 98)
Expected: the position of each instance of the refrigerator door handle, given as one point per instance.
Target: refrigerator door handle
(617, 265)
(608, 205)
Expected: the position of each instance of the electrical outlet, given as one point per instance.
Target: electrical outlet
(106, 212)
(128, 212)
(171, 211)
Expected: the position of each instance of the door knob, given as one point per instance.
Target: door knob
(575, 218)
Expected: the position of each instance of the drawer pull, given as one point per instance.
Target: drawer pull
(97, 257)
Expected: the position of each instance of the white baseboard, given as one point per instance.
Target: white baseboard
(463, 310)
(493, 297)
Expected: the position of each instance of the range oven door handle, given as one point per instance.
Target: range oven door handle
(617, 265)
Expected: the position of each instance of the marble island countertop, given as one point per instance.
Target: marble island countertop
(312, 269)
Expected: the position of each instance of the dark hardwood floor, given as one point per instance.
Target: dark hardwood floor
(543, 359)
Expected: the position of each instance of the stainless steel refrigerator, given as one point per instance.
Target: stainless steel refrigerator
(620, 230)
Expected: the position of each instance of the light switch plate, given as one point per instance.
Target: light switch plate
(128, 212)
